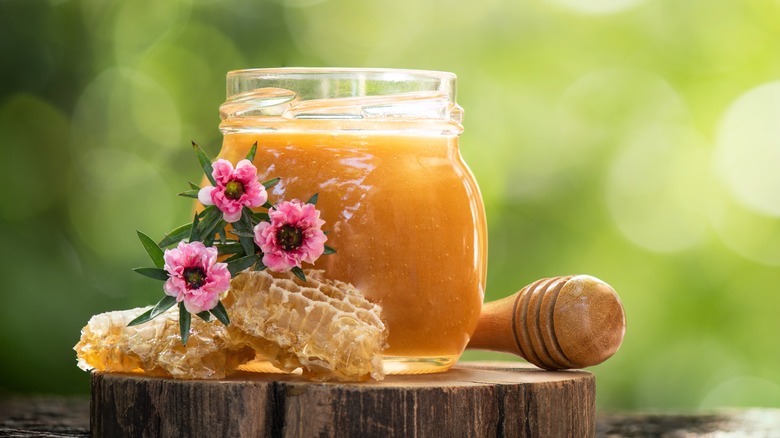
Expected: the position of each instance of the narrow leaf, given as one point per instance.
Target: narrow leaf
(242, 233)
(268, 205)
(220, 313)
(234, 257)
(205, 163)
(259, 266)
(193, 186)
(260, 217)
(164, 304)
(328, 250)
(313, 199)
(205, 315)
(184, 323)
(252, 151)
(230, 248)
(210, 231)
(208, 224)
(222, 236)
(156, 273)
(154, 251)
(271, 182)
(194, 233)
(142, 318)
(190, 194)
(237, 265)
(176, 235)
(298, 273)
(246, 226)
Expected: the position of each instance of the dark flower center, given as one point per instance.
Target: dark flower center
(234, 190)
(194, 277)
(289, 237)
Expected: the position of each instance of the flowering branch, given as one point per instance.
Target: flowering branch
(281, 239)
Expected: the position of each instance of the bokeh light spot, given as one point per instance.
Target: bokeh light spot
(657, 189)
(33, 163)
(597, 7)
(140, 23)
(748, 149)
(124, 109)
(680, 372)
(357, 32)
(114, 193)
(602, 107)
(751, 234)
(742, 391)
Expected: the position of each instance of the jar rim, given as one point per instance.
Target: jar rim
(311, 72)
(370, 95)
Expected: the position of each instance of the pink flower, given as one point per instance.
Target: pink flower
(195, 277)
(235, 188)
(294, 235)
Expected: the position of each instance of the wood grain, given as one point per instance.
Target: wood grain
(470, 400)
(555, 323)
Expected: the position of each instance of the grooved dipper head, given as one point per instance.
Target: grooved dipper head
(568, 322)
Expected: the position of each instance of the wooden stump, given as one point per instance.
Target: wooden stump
(471, 399)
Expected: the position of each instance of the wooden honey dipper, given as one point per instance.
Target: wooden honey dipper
(555, 323)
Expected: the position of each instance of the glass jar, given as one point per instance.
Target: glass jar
(401, 207)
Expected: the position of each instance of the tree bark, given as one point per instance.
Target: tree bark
(471, 399)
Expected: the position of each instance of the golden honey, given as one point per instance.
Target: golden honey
(403, 211)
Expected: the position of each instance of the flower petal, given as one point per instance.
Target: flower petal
(231, 216)
(204, 195)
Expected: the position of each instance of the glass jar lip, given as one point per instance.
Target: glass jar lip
(332, 72)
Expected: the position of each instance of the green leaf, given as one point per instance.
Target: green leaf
(205, 163)
(260, 217)
(259, 266)
(268, 205)
(154, 251)
(205, 315)
(252, 151)
(313, 199)
(230, 248)
(208, 225)
(329, 250)
(237, 265)
(175, 236)
(156, 273)
(220, 313)
(142, 318)
(246, 226)
(271, 182)
(242, 233)
(298, 273)
(189, 194)
(222, 236)
(184, 323)
(164, 304)
(193, 186)
(194, 233)
(209, 233)
(234, 257)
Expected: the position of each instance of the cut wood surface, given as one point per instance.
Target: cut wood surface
(471, 399)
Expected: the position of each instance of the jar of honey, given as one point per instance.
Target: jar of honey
(403, 211)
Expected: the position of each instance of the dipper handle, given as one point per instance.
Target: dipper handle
(555, 323)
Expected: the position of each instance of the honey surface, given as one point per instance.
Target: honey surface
(403, 213)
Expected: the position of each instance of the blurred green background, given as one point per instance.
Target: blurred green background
(634, 140)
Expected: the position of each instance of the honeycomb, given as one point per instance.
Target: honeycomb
(155, 348)
(325, 327)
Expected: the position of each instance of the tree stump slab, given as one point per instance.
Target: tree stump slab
(479, 399)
